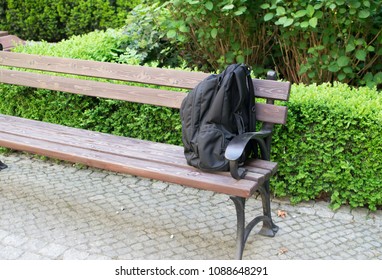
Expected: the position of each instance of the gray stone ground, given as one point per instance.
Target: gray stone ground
(51, 210)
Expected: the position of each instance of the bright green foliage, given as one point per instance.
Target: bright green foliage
(147, 39)
(305, 41)
(97, 45)
(324, 41)
(55, 20)
(331, 146)
(214, 33)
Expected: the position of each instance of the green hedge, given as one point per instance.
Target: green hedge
(330, 148)
(55, 20)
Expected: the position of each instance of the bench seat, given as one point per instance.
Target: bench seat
(126, 155)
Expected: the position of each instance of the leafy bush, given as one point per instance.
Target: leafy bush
(305, 41)
(56, 20)
(97, 45)
(331, 146)
(325, 41)
(214, 33)
(147, 39)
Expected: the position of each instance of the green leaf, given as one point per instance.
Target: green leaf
(350, 47)
(171, 33)
(265, 6)
(304, 24)
(281, 21)
(310, 10)
(280, 11)
(378, 78)
(184, 28)
(214, 33)
(341, 76)
(361, 55)
(288, 22)
(313, 22)
(300, 13)
(209, 5)
(343, 61)
(228, 7)
(268, 16)
(364, 14)
(240, 59)
(333, 68)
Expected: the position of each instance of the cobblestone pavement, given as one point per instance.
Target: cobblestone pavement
(52, 210)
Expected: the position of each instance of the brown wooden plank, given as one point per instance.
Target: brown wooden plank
(272, 89)
(115, 71)
(264, 164)
(271, 113)
(10, 41)
(185, 176)
(93, 88)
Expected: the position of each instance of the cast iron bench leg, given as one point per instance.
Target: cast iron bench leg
(268, 229)
(244, 230)
(2, 165)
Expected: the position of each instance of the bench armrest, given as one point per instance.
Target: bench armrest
(236, 148)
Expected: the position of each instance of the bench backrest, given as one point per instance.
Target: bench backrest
(139, 75)
(7, 42)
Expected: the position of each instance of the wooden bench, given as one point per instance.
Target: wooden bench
(7, 42)
(152, 160)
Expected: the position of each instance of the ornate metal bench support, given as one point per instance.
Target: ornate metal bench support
(243, 230)
(2, 165)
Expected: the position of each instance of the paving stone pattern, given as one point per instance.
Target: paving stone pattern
(55, 210)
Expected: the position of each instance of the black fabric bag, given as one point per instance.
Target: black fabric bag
(213, 113)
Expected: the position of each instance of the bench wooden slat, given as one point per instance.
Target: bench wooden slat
(115, 71)
(271, 113)
(9, 41)
(112, 144)
(94, 88)
(159, 171)
(264, 112)
(141, 74)
(272, 89)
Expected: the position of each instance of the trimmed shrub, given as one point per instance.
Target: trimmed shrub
(331, 146)
(56, 20)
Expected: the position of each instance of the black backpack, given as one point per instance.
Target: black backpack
(216, 110)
